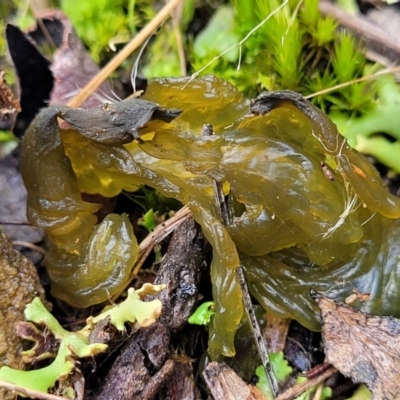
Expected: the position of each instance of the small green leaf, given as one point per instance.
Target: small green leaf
(218, 36)
(282, 371)
(309, 394)
(148, 220)
(362, 393)
(281, 368)
(203, 314)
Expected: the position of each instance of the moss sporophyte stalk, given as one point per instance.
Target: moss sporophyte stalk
(294, 227)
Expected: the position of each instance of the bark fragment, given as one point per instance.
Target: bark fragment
(19, 286)
(143, 370)
(224, 384)
(363, 347)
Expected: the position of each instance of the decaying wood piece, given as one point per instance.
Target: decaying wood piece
(181, 384)
(129, 374)
(143, 369)
(157, 381)
(180, 270)
(118, 120)
(363, 347)
(224, 384)
(19, 286)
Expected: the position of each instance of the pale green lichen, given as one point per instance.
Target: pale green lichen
(75, 345)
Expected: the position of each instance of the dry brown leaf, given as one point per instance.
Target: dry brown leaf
(363, 347)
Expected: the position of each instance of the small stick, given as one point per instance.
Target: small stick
(260, 342)
(163, 230)
(34, 394)
(160, 232)
(300, 388)
(28, 246)
(15, 223)
(207, 130)
(176, 18)
(94, 83)
(385, 71)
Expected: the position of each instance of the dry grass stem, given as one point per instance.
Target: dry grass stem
(349, 83)
(176, 19)
(28, 245)
(34, 394)
(160, 232)
(164, 229)
(193, 76)
(124, 53)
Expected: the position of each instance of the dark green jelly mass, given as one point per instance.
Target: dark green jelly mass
(307, 211)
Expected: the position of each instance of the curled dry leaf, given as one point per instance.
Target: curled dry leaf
(363, 347)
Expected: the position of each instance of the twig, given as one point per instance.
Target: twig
(176, 18)
(300, 388)
(160, 232)
(164, 229)
(15, 223)
(29, 392)
(90, 87)
(318, 392)
(28, 245)
(248, 305)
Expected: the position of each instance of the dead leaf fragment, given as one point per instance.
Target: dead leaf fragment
(363, 347)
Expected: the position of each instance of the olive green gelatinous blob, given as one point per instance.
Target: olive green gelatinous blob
(227, 294)
(282, 281)
(101, 269)
(87, 262)
(54, 200)
(284, 179)
(101, 169)
(206, 100)
(363, 177)
(296, 226)
(273, 165)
